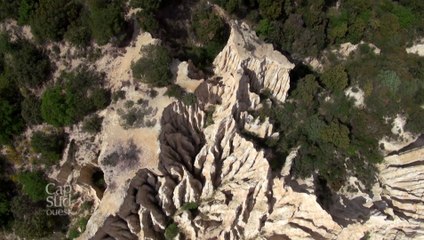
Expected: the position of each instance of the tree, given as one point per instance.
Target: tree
(336, 134)
(31, 220)
(153, 67)
(147, 21)
(31, 110)
(8, 8)
(27, 65)
(306, 90)
(206, 25)
(52, 18)
(106, 21)
(148, 5)
(270, 9)
(11, 122)
(26, 9)
(50, 145)
(79, 33)
(335, 79)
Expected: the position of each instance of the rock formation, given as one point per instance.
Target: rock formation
(215, 183)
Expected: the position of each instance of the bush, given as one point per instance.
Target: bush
(51, 19)
(171, 231)
(78, 32)
(148, 5)
(26, 9)
(175, 91)
(8, 9)
(128, 154)
(153, 67)
(28, 66)
(92, 124)
(209, 116)
(335, 79)
(147, 21)
(106, 21)
(11, 122)
(31, 219)
(33, 185)
(189, 99)
(79, 228)
(31, 110)
(271, 9)
(118, 95)
(206, 25)
(190, 206)
(50, 146)
(54, 107)
(136, 117)
(77, 94)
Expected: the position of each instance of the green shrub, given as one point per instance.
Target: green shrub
(33, 185)
(78, 32)
(175, 91)
(77, 94)
(209, 115)
(52, 18)
(31, 219)
(335, 79)
(206, 25)
(26, 9)
(106, 21)
(8, 9)
(189, 206)
(153, 67)
(27, 65)
(73, 233)
(11, 122)
(189, 99)
(31, 110)
(92, 124)
(148, 5)
(118, 95)
(147, 21)
(49, 145)
(54, 107)
(271, 9)
(171, 231)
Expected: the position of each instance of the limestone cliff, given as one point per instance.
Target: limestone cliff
(215, 183)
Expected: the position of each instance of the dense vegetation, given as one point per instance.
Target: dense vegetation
(49, 145)
(305, 27)
(76, 21)
(76, 94)
(337, 139)
(23, 206)
(153, 67)
(22, 68)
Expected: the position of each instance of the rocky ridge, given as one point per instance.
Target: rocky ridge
(214, 167)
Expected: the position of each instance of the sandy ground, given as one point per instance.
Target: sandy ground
(11, 26)
(417, 48)
(180, 71)
(117, 66)
(358, 96)
(405, 138)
